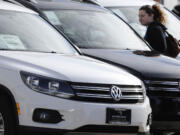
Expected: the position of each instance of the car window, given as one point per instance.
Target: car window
(132, 18)
(90, 29)
(28, 32)
(131, 14)
(173, 24)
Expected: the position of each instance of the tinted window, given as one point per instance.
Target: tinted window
(90, 29)
(28, 32)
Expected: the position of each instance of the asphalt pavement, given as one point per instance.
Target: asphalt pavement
(170, 133)
(96, 134)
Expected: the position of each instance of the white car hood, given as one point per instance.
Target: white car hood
(74, 68)
(115, 3)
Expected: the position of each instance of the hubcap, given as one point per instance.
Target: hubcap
(1, 125)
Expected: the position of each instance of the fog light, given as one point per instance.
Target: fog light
(44, 116)
(47, 116)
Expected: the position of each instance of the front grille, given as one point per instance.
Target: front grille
(101, 93)
(163, 87)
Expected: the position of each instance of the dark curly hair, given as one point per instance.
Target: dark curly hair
(159, 15)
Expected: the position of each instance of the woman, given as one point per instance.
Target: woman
(154, 18)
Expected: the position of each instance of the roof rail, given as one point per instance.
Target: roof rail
(89, 1)
(31, 1)
(20, 2)
(14, 2)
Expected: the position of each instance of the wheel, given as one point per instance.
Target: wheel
(157, 133)
(146, 133)
(164, 133)
(7, 121)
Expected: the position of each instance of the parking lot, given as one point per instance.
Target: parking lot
(76, 66)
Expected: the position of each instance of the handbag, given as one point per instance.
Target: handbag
(173, 45)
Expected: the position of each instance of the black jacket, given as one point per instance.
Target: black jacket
(155, 36)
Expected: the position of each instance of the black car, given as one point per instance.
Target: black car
(100, 34)
(176, 10)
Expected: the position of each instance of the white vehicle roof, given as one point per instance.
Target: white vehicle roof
(13, 7)
(115, 3)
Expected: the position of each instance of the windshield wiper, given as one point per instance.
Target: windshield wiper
(53, 52)
(126, 49)
(5, 49)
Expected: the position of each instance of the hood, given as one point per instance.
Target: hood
(145, 64)
(74, 68)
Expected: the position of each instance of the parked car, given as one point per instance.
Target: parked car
(176, 10)
(103, 36)
(47, 86)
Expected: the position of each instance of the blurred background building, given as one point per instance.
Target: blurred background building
(169, 3)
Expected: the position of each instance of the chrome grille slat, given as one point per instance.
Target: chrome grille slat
(129, 93)
(93, 95)
(166, 89)
(131, 90)
(132, 97)
(171, 86)
(108, 97)
(90, 88)
(163, 82)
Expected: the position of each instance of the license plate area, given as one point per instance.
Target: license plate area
(118, 116)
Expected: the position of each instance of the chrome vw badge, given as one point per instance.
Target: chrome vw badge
(116, 93)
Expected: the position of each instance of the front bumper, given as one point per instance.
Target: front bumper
(86, 129)
(166, 112)
(78, 114)
(166, 126)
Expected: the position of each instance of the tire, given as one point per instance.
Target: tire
(157, 133)
(146, 133)
(7, 121)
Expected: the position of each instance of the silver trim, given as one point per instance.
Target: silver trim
(164, 89)
(90, 88)
(171, 86)
(132, 97)
(131, 89)
(92, 92)
(108, 97)
(175, 83)
(116, 93)
(1, 125)
(94, 95)
(105, 88)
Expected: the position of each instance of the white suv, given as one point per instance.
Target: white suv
(47, 86)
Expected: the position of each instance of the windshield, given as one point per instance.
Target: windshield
(90, 29)
(130, 15)
(28, 32)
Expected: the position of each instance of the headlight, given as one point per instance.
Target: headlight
(47, 85)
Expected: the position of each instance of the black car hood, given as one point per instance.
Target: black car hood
(146, 64)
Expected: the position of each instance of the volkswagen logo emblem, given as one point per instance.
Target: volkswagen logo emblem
(116, 93)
